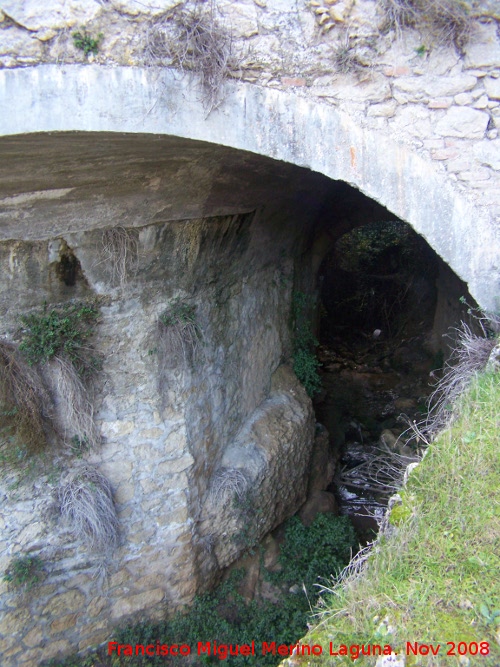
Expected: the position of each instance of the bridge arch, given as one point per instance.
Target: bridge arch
(281, 125)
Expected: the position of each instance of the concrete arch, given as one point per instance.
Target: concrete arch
(280, 125)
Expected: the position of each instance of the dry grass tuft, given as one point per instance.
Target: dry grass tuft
(77, 412)
(470, 355)
(227, 484)
(86, 501)
(120, 248)
(178, 336)
(195, 41)
(345, 57)
(446, 22)
(25, 403)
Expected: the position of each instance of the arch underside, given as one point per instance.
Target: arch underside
(262, 121)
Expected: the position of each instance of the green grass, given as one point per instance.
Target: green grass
(436, 579)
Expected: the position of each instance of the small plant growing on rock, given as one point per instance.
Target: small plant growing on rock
(305, 362)
(85, 42)
(86, 501)
(24, 572)
(444, 21)
(63, 330)
(195, 41)
(179, 335)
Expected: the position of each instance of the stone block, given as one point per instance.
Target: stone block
(151, 433)
(136, 603)
(476, 175)
(463, 122)
(293, 82)
(492, 87)
(445, 154)
(179, 515)
(435, 86)
(55, 649)
(73, 600)
(440, 103)
(18, 43)
(12, 623)
(63, 623)
(33, 15)
(481, 102)
(175, 465)
(384, 109)
(96, 605)
(463, 99)
(484, 49)
(488, 153)
(34, 637)
(124, 493)
(116, 429)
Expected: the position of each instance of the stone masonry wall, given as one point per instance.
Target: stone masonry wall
(163, 437)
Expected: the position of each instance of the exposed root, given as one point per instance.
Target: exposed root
(86, 501)
(120, 248)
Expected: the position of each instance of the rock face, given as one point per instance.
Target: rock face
(169, 423)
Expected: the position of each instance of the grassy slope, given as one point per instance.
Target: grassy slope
(437, 579)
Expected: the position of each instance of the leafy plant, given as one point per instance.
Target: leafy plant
(318, 551)
(24, 572)
(86, 43)
(305, 363)
(62, 330)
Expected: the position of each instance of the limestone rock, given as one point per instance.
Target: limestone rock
(318, 503)
(484, 50)
(463, 122)
(492, 87)
(19, 43)
(34, 15)
(320, 475)
(488, 153)
(435, 86)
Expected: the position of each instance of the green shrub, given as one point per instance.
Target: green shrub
(305, 363)
(63, 330)
(24, 572)
(305, 367)
(318, 551)
(86, 43)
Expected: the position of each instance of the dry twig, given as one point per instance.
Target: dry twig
(194, 41)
